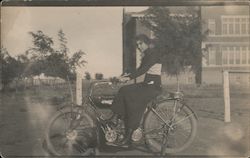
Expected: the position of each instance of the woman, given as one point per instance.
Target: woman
(131, 100)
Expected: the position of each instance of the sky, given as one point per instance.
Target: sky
(95, 30)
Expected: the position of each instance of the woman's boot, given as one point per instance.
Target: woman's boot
(126, 142)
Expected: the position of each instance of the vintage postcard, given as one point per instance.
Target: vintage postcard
(125, 78)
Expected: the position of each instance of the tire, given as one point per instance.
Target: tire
(179, 137)
(79, 142)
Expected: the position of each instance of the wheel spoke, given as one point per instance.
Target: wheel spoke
(179, 121)
(66, 120)
(164, 143)
(64, 143)
(179, 124)
(159, 136)
(66, 130)
(181, 133)
(153, 130)
(79, 147)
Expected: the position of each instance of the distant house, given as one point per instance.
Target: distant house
(47, 80)
(227, 44)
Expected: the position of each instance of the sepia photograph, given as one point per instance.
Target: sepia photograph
(125, 79)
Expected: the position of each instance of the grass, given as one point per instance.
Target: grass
(18, 113)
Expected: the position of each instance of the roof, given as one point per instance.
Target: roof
(182, 11)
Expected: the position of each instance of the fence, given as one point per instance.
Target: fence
(30, 82)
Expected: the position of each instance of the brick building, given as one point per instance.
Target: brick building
(227, 43)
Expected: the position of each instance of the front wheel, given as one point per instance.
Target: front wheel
(71, 132)
(170, 127)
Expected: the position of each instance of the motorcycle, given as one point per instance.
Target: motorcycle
(167, 126)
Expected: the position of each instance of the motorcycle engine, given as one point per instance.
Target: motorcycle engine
(111, 135)
(115, 133)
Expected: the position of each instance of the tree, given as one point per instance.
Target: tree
(63, 43)
(10, 69)
(76, 60)
(77, 57)
(56, 66)
(99, 76)
(87, 76)
(42, 45)
(177, 38)
(45, 59)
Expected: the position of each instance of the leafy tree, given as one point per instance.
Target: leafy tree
(10, 69)
(177, 38)
(56, 66)
(42, 45)
(63, 43)
(87, 76)
(76, 60)
(45, 59)
(99, 76)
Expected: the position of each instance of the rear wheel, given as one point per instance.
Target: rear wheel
(170, 128)
(71, 132)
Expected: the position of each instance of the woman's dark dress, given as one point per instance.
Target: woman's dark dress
(131, 100)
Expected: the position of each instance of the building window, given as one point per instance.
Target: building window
(231, 55)
(235, 55)
(211, 26)
(212, 56)
(230, 26)
(244, 55)
(235, 25)
(225, 56)
(224, 29)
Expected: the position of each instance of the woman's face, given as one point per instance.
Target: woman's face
(142, 46)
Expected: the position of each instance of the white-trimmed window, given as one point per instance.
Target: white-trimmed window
(225, 55)
(244, 55)
(235, 25)
(239, 55)
(231, 55)
(212, 56)
(211, 26)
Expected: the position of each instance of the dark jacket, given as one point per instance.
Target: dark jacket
(150, 58)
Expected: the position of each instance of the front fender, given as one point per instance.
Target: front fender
(86, 108)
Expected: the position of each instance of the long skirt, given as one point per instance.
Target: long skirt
(131, 102)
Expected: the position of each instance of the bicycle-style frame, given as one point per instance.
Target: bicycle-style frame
(150, 113)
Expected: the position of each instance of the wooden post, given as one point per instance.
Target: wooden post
(226, 96)
(79, 77)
